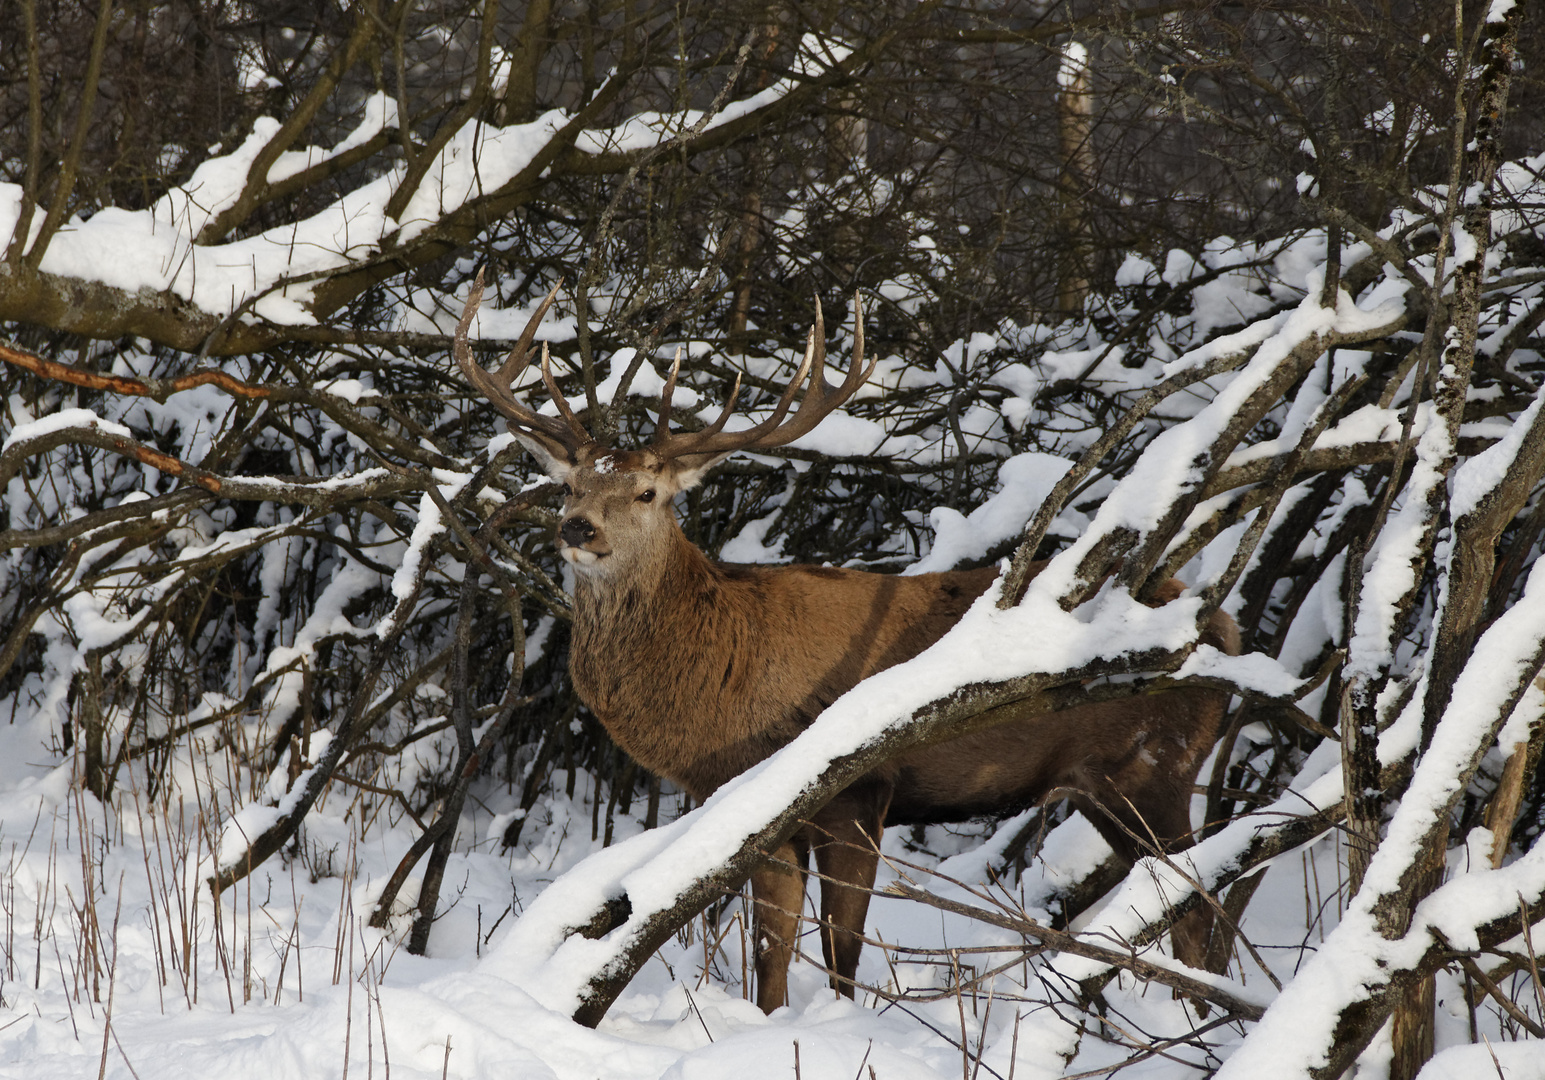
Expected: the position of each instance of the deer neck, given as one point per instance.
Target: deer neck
(633, 600)
(638, 642)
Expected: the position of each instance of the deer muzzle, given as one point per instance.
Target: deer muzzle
(577, 543)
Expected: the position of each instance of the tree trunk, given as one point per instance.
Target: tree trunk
(1075, 125)
(1476, 532)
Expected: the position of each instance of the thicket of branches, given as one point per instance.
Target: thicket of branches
(254, 515)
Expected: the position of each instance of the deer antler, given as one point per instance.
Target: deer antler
(497, 386)
(777, 430)
(662, 430)
(819, 400)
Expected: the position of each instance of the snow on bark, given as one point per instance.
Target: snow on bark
(1296, 1034)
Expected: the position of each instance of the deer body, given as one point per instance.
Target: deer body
(763, 650)
(699, 670)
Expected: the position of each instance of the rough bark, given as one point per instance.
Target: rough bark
(1472, 556)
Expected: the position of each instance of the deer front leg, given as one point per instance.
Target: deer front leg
(778, 892)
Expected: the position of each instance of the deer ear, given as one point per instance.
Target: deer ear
(552, 457)
(688, 470)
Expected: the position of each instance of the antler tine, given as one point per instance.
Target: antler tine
(459, 348)
(662, 428)
(496, 387)
(774, 431)
(724, 413)
(817, 349)
(857, 374)
(662, 434)
(558, 399)
(520, 355)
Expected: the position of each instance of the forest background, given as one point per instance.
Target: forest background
(1248, 292)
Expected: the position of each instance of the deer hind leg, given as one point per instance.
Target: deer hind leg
(1166, 815)
(846, 854)
(778, 889)
(1149, 821)
(1191, 936)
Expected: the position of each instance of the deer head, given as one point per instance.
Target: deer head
(617, 503)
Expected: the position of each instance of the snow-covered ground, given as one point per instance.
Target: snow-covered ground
(106, 917)
(117, 957)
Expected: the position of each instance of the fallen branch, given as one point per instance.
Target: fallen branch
(1064, 941)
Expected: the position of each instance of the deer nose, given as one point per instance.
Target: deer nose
(576, 531)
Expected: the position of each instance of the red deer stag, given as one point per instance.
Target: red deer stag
(699, 669)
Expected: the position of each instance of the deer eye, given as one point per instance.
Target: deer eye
(567, 491)
(647, 496)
